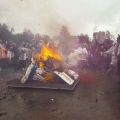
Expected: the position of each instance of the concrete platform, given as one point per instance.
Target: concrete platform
(64, 86)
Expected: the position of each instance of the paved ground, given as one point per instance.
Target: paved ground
(94, 98)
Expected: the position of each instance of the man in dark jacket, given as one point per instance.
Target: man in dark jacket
(117, 53)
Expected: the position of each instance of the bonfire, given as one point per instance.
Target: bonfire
(46, 65)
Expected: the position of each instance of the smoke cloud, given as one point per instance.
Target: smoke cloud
(47, 16)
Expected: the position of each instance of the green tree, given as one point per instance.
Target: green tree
(5, 33)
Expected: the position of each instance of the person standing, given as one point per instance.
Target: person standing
(117, 53)
(23, 57)
(3, 57)
(15, 60)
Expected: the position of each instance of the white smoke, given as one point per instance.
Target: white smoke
(47, 16)
(78, 54)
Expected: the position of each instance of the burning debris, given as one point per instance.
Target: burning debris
(48, 64)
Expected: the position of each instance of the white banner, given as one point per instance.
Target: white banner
(65, 77)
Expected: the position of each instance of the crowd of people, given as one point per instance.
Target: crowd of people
(16, 56)
(102, 55)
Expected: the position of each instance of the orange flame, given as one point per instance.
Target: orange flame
(48, 51)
